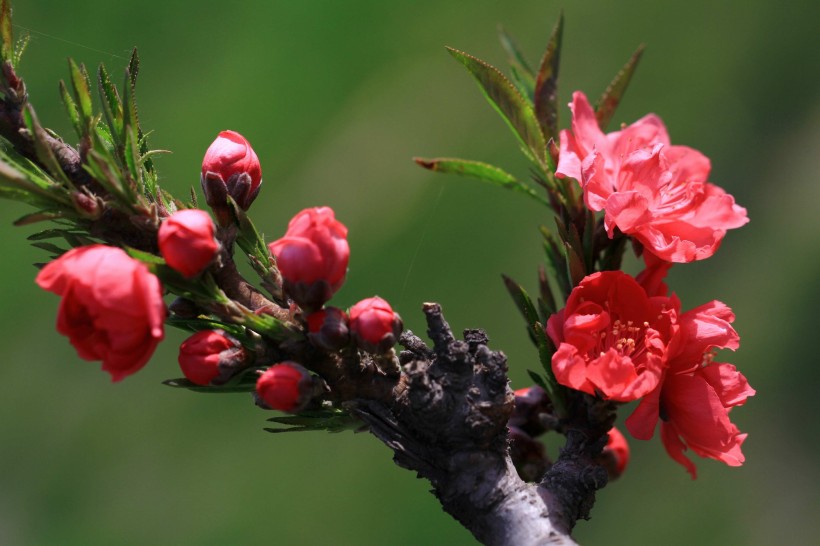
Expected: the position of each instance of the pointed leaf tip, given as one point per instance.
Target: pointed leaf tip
(611, 98)
(546, 83)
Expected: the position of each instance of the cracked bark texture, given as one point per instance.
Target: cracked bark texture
(448, 422)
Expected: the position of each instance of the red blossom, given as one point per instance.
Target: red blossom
(374, 325)
(612, 338)
(696, 394)
(230, 167)
(647, 188)
(210, 355)
(312, 256)
(186, 241)
(286, 386)
(112, 308)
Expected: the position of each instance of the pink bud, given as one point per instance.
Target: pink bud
(186, 241)
(531, 403)
(615, 455)
(210, 357)
(230, 167)
(312, 257)
(286, 386)
(327, 329)
(374, 325)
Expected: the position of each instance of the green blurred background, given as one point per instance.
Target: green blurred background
(336, 97)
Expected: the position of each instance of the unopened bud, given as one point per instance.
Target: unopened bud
(186, 241)
(230, 167)
(531, 403)
(374, 325)
(615, 455)
(327, 329)
(312, 257)
(528, 455)
(286, 386)
(211, 357)
(87, 205)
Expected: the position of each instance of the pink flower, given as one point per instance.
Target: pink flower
(647, 188)
(210, 357)
(231, 167)
(112, 308)
(374, 325)
(186, 241)
(312, 256)
(696, 394)
(612, 338)
(286, 386)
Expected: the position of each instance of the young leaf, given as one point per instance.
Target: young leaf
(537, 379)
(546, 83)
(508, 102)
(7, 44)
(480, 171)
(112, 105)
(42, 148)
(522, 300)
(545, 351)
(609, 101)
(71, 108)
(82, 91)
(522, 73)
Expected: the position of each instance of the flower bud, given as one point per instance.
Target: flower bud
(211, 357)
(286, 386)
(312, 257)
(230, 167)
(528, 455)
(374, 325)
(615, 455)
(186, 241)
(327, 329)
(531, 403)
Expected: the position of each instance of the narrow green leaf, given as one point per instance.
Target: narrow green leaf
(112, 105)
(144, 257)
(537, 379)
(71, 109)
(39, 216)
(480, 171)
(20, 48)
(546, 300)
(556, 261)
(522, 73)
(522, 300)
(183, 383)
(508, 102)
(49, 247)
(609, 101)
(546, 83)
(134, 67)
(7, 45)
(82, 91)
(42, 148)
(575, 265)
(334, 421)
(545, 351)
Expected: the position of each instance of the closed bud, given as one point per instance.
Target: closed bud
(528, 455)
(327, 329)
(312, 257)
(211, 357)
(230, 167)
(89, 206)
(374, 325)
(186, 241)
(286, 386)
(615, 455)
(531, 404)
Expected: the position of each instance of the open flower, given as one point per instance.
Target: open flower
(696, 394)
(612, 338)
(112, 308)
(647, 188)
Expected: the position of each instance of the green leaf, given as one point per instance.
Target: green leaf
(546, 83)
(49, 247)
(144, 257)
(112, 105)
(183, 383)
(7, 45)
(71, 109)
(480, 171)
(537, 379)
(331, 420)
(39, 216)
(522, 300)
(82, 91)
(20, 48)
(508, 102)
(521, 71)
(546, 301)
(545, 351)
(609, 101)
(42, 148)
